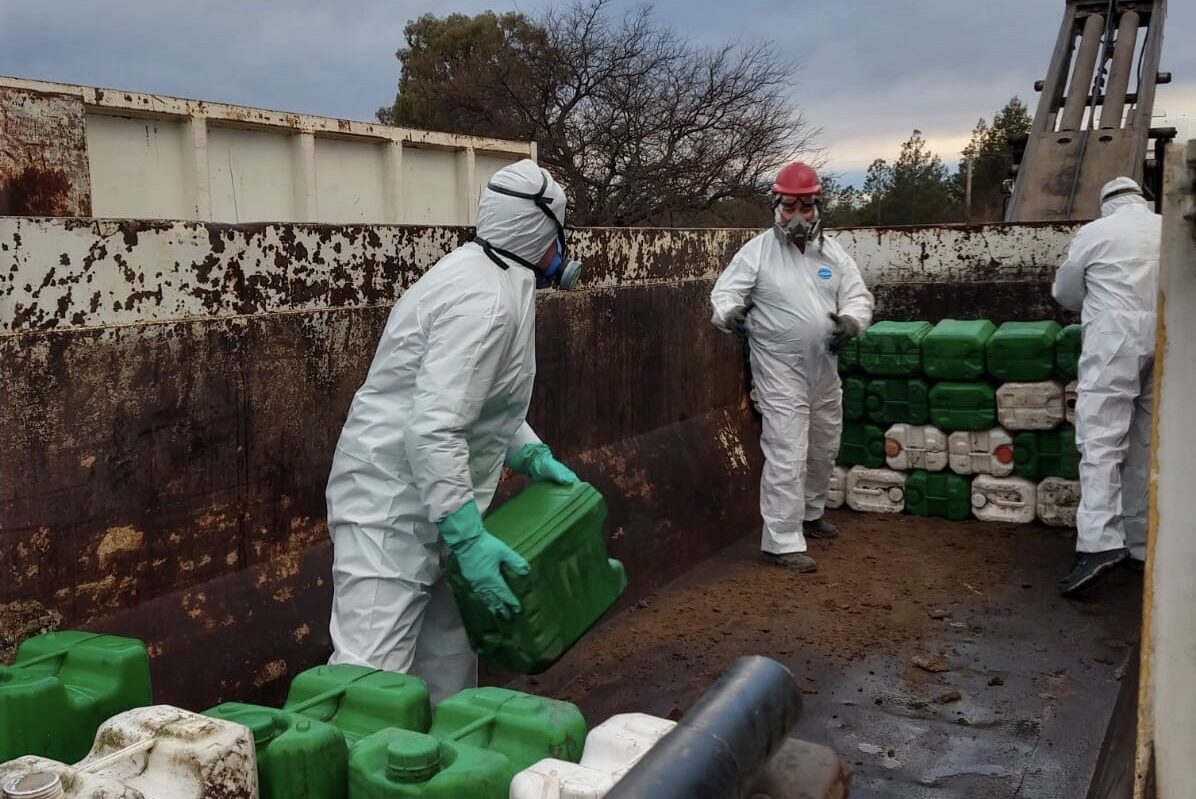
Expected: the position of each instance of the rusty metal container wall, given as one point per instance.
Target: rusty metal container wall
(170, 394)
(68, 150)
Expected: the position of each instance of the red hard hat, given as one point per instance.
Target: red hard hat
(797, 179)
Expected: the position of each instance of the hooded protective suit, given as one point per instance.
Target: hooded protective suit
(790, 295)
(1111, 277)
(444, 404)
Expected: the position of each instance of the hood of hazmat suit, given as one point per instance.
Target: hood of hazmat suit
(445, 399)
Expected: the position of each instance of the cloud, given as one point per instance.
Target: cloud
(870, 71)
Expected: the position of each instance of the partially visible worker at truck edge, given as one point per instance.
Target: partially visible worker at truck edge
(443, 407)
(797, 297)
(1111, 277)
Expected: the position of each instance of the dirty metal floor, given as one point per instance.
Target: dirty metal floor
(1014, 687)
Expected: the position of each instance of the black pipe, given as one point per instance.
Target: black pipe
(720, 745)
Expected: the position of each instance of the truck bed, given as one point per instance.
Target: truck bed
(935, 657)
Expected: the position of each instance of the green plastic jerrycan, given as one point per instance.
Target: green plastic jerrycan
(572, 582)
(893, 349)
(1067, 351)
(296, 756)
(360, 701)
(1047, 453)
(849, 356)
(402, 764)
(1022, 352)
(62, 687)
(898, 399)
(944, 494)
(521, 727)
(855, 392)
(954, 350)
(861, 444)
(963, 406)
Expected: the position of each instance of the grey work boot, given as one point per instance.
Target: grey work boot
(820, 528)
(797, 561)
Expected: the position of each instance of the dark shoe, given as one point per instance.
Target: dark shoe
(1088, 566)
(820, 529)
(797, 561)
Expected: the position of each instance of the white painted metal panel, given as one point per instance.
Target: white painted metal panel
(251, 176)
(428, 187)
(350, 181)
(137, 167)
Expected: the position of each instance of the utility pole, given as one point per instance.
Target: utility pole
(967, 202)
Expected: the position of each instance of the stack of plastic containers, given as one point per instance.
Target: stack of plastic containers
(931, 410)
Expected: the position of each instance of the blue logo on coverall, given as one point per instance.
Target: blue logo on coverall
(825, 273)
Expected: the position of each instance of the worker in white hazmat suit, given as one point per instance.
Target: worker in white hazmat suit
(442, 409)
(1111, 277)
(798, 298)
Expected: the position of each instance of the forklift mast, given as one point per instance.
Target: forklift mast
(1093, 118)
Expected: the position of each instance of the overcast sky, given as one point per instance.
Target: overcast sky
(871, 70)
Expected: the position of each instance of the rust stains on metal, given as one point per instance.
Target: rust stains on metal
(43, 155)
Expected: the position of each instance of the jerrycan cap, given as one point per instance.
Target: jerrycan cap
(35, 785)
(413, 757)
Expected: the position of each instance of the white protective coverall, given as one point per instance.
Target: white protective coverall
(791, 295)
(1111, 277)
(444, 403)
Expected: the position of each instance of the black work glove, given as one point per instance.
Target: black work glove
(737, 322)
(846, 329)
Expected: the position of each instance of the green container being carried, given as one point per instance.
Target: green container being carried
(522, 728)
(861, 444)
(296, 756)
(895, 399)
(855, 391)
(402, 764)
(954, 350)
(963, 406)
(572, 582)
(1022, 352)
(944, 494)
(893, 349)
(1047, 453)
(1067, 351)
(62, 687)
(360, 701)
(849, 356)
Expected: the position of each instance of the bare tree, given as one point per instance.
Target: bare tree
(642, 126)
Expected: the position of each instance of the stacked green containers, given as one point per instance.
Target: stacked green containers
(1067, 351)
(479, 740)
(849, 356)
(955, 349)
(895, 399)
(62, 687)
(943, 494)
(559, 530)
(1022, 351)
(1047, 453)
(855, 392)
(861, 444)
(360, 701)
(893, 349)
(963, 406)
(296, 756)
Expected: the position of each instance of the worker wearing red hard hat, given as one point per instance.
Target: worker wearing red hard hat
(798, 297)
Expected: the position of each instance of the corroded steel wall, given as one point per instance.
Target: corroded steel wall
(43, 155)
(170, 394)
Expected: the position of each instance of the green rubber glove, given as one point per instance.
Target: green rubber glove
(536, 461)
(481, 557)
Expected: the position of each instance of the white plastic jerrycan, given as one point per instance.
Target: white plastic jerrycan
(1003, 499)
(611, 749)
(981, 452)
(1058, 500)
(911, 446)
(836, 494)
(875, 490)
(1069, 401)
(1030, 406)
(158, 752)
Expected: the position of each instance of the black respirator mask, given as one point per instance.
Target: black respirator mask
(796, 231)
(561, 272)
